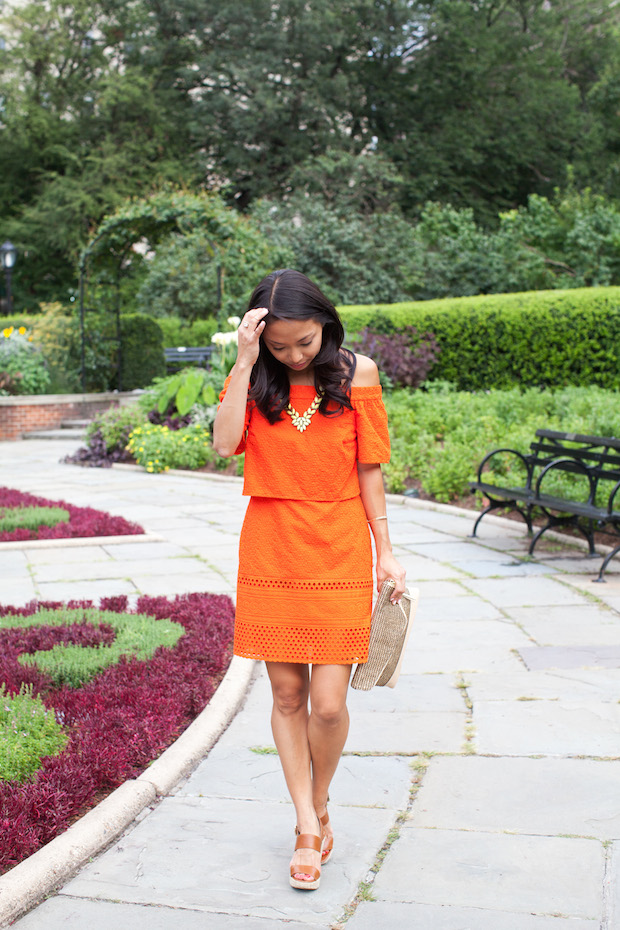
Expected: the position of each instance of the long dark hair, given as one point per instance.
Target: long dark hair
(290, 295)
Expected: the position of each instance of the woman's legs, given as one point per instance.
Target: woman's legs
(328, 728)
(289, 722)
(309, 746)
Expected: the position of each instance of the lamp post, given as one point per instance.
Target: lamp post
(8, 254)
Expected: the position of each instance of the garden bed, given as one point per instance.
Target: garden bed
(26, 517)
(86, 701)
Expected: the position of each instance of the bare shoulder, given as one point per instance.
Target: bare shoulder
(366, 372)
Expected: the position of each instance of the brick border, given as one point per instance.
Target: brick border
(20, 414)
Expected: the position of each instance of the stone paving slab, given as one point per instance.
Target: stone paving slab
(486, 568)
(130, 551)
(612, 887)
(547, 797)
(448, 658)
(547, 728)
(600, 685)
(66, 913)
(118, 568)
(417, 733)
(12, 562)
(419, 568)
(569, 625)
(513, 592)
(186, 854)
(584, 656)
(17, 592)
(518, 874)
(71, 555)
(447, 590)
(414, 693)
(460, 551)
(370, 915)
(374, 781)
(469, 607)
(169, 586)
(80, 590)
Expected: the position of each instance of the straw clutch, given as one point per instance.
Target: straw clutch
(389, 631)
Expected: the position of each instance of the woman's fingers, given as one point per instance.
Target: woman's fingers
(395, 572)
(249, 331)
(253, 320)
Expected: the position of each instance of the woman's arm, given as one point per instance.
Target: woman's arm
(230, 418)
(373, 499)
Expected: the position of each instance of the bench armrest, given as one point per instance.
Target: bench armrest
(524, 458)
(575, 466)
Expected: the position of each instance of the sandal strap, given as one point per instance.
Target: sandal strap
(324, 819)
(305, 870)
(308, 841)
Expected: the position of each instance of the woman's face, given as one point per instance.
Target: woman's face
(295, 343)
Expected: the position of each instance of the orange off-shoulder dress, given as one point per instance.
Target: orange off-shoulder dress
(304, 589)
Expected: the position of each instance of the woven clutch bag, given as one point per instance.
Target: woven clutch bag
(390, 626)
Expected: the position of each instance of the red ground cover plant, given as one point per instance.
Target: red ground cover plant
(83, 521)
(119, 722)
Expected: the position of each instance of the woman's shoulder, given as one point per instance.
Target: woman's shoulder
(366, 372)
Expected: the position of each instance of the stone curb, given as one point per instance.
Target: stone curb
(28, 883)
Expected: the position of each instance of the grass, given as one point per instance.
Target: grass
(31, 518)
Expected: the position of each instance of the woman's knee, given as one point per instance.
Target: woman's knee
(290, 692)
(329, 710)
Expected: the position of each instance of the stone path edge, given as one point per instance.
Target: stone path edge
(28, 883)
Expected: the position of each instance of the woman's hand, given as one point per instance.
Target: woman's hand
(389, 567)
(248, 335)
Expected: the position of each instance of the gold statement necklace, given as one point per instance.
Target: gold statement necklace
(301, 421)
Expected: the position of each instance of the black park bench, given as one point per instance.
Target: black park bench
(588, 500)
(181, 356)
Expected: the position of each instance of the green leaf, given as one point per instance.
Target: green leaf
(170, 390)
(208, 394)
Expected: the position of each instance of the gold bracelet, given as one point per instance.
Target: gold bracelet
(372, 519)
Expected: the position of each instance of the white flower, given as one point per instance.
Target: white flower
(234, 321)
(223, 339)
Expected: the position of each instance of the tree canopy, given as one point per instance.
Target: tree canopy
(365, 108)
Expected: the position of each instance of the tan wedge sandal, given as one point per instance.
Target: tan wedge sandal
(306, 841)
(327, 846)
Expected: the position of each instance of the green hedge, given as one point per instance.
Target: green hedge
(179, 332)
(532, 339)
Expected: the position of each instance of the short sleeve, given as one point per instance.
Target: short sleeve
(373, 438)
(248, 414)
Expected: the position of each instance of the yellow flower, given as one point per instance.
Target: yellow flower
(7, 332)
(22, 330)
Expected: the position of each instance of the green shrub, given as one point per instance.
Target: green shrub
(143, 353)
(28, 733)
(31, 518)
(535, 339)
(115, 425)
(177, 332)
(159, 448)
(22, 363)
(440, 438)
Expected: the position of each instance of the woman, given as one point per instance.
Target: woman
(310, 418)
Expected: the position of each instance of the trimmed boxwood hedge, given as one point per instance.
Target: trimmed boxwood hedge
(532, 339)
